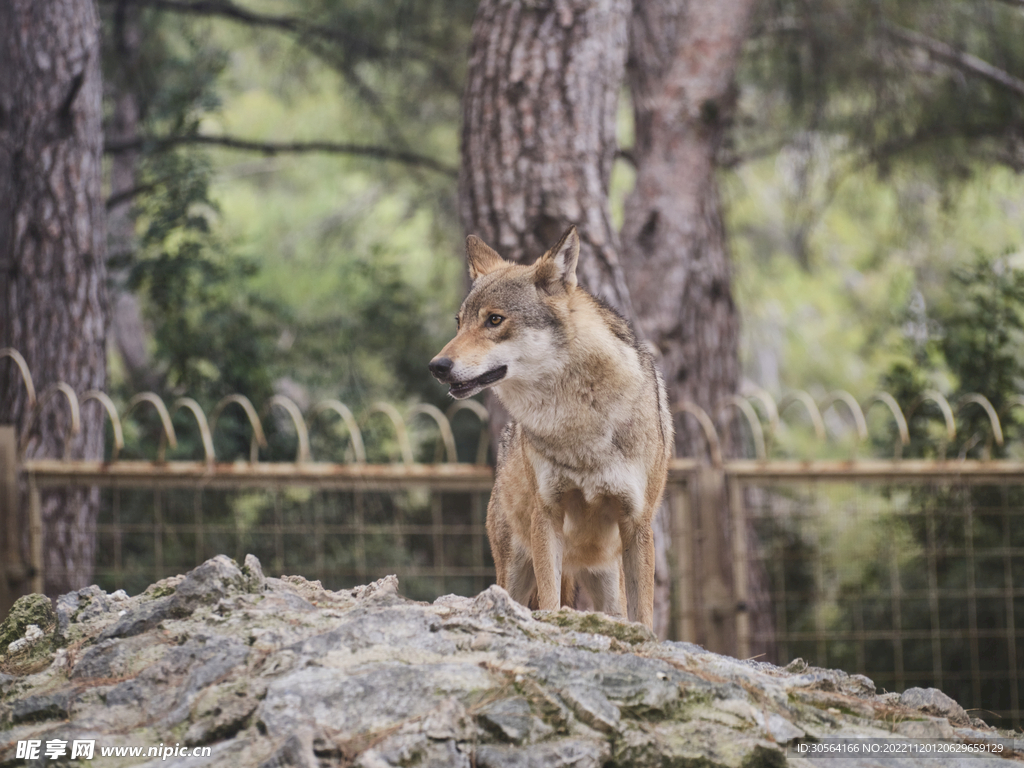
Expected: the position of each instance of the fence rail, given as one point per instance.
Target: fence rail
(909, 571)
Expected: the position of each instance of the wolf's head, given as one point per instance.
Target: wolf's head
(511, 326)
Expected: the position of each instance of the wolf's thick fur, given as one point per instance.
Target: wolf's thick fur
(582, 466)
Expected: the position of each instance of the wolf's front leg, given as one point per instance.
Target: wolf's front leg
(546, 543)
(638, 566)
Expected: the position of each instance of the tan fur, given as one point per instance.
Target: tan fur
(582, 467)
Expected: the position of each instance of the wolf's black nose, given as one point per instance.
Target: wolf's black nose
(441, 366)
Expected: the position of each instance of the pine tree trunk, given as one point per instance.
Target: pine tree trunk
(52, 273)
(682, 60)
(538, 135)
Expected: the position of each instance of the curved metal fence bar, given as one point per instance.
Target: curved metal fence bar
(771, 410)
(26, 374)
(706, 424)
(977, 399)
(400, 432)
(204, 429)
(355, 434)
(485, 418)
(168, 435)
(442, 425)
(897, 414)
(943, 403)
(770, 407)
(115, 422)
(301, 433)
(47, 395)
(842, 396)
(756, 432)
(798, 395)
(259, 440)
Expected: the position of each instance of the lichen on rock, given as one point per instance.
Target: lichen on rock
(28, 610)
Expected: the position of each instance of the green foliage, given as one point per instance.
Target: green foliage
(334, 275)
(982, 328)
(972, 336)
(855, 69)
(212, 336)
(170, 65)
(883, 165)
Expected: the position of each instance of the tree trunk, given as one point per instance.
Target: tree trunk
(52, 272)
(682, 60)
(538, 135)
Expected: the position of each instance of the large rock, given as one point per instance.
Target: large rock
(275, 673)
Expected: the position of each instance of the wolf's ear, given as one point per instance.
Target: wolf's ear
(556, 269)
(482, 258)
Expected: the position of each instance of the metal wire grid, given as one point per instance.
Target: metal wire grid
(435, 541)
(918, 585)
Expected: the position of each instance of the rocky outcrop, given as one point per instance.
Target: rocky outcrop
(280, 672)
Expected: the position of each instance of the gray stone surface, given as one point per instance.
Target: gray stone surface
(276, 672)
(935, 702)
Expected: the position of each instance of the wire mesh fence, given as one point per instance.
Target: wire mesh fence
(435, 541)
(910, 583)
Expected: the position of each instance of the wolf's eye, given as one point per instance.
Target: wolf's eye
(458, 324)
(495, 320)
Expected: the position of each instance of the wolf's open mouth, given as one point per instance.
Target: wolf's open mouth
(462, 387)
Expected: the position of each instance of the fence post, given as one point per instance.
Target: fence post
(35, 538)
(12, 574)
(682, 565)
(718, 605)
(740, 579)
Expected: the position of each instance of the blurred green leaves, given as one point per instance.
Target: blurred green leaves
(334, 274)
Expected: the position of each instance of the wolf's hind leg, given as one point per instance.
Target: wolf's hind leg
(604, 586)
(521, 581)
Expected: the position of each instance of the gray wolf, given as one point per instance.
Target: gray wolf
(582, 465)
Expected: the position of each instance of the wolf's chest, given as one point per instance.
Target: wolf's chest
(621, 480)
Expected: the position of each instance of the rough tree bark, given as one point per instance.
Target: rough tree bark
(52, 271)
(683, 57)
(538, 135)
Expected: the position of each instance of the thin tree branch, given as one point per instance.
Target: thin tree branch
(228, 10)
(282, 147)
(730, 160)
(127, 194)
(1014, 3)
(295, 25)
(950, 55)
